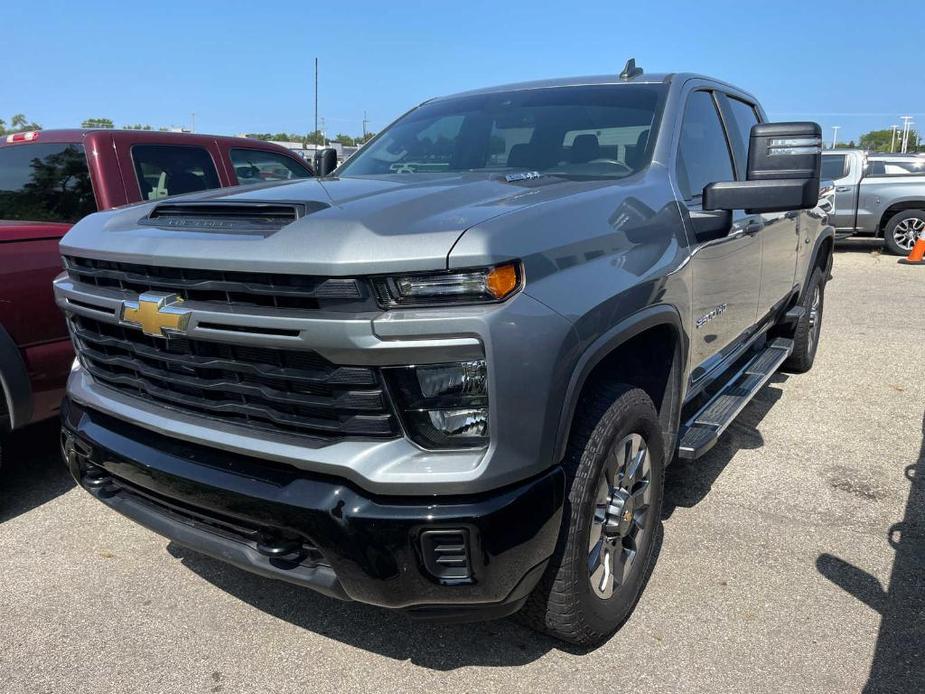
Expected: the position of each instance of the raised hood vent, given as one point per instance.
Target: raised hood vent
(229, 217)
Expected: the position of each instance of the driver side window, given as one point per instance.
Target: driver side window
(703, 152)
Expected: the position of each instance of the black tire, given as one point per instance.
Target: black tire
(564, 604)
(901, 230)
(806, 335)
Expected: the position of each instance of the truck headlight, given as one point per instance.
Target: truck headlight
(481, 285)
(443, 405)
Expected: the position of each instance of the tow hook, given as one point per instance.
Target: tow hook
(282, 549)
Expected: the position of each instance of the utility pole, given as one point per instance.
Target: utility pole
(316, 95)
(835, 135)
(324, 138)
(894, 128)
(905, 141)
(365, 121)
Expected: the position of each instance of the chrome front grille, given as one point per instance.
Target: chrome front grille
(289, 391)
(273, 290)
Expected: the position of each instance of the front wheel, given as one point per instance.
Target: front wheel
(615, 471)
(902, 230)
(806, 336)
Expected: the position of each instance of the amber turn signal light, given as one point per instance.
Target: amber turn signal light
(502, 280)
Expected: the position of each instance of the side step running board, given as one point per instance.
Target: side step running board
(702, 431)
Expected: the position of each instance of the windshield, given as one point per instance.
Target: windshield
(597, 131)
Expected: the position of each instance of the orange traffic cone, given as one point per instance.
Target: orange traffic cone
(917, 254)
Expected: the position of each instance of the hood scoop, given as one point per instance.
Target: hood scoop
(263, 218)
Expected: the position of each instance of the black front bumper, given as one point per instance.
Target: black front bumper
(322, 532)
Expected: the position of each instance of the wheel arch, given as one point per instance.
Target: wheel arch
(822, 256)
(895, 208)
(15, 387)
(613, 354)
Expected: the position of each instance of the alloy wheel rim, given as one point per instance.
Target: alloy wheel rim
(907, 231)
(620, 522)
(814, 317)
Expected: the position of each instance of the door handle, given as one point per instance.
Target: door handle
(843, 189)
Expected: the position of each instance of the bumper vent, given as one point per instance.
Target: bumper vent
(446, 554)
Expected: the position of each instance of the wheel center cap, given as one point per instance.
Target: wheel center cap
(620, 514)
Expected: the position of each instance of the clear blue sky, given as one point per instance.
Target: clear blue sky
(247, 66)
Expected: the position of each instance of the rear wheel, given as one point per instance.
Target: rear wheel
(902, 230)
(615, 469)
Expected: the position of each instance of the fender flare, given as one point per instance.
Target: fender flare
(827, 234)
(625, 330)
(15, 386)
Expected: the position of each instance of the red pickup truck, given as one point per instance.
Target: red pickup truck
(51, 178)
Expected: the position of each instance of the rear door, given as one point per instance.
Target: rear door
(725, 263)
(844, 169)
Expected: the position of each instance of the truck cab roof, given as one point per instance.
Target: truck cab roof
(589, 80)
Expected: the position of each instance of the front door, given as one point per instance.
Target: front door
(725, 263)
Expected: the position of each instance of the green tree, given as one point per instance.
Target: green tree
(138, 126)
(363, 139)
(345, 140)
(18, 123)
(880, 140)
(97, 123)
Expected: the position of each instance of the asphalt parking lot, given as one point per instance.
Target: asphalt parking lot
(792, 560)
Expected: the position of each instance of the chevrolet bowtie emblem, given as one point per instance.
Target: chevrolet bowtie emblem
(156, 314)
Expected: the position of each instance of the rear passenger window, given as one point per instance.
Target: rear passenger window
(833, 166)
(164, 170)
(45, 182)
(259, 166)
(743, 117)
(703, 154)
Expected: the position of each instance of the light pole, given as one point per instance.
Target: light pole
(894, 128)
(835, 135)
(316, 95)
(905, 141)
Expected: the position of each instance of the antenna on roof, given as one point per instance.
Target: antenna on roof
(630, 70)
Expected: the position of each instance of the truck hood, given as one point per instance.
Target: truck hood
(365, 225)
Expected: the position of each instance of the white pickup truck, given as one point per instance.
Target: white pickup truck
(877, 195)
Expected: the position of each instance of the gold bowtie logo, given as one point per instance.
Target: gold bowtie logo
(157, 314)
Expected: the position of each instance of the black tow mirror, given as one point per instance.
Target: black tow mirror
(325, 161)
(784, 164)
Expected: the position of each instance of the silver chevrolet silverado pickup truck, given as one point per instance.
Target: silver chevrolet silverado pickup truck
(446, 378)
(877, 195)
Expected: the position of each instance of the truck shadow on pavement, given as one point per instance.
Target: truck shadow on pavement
(32, 472)
(687, 482)
(899, 655)
(443, 647)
